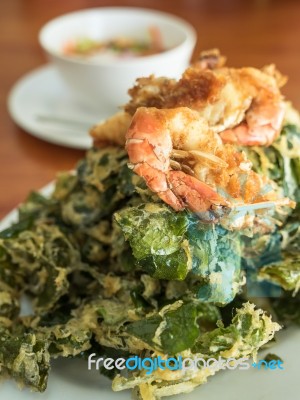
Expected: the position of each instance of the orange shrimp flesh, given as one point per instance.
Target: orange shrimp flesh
(263, 121)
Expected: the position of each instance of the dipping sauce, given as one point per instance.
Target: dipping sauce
(119, 47)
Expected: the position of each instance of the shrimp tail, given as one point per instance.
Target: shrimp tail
(198, 196)
(262, 125)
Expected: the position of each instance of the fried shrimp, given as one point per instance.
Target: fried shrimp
(264, 118)
(243, 105)
(186, 164)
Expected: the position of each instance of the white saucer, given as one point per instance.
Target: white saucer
(41, 104)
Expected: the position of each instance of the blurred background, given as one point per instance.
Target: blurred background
(249, 33)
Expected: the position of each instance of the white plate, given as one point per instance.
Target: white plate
(70, 379)
(41, 104)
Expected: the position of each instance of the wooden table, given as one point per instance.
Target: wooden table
(248, 32)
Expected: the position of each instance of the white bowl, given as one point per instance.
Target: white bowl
(104, 83)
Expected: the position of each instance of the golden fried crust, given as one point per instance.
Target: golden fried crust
(150, 92)
(111, 131)
(196, 87)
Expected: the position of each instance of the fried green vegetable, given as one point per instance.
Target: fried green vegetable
(42, 258)
(163, 331)
(249, 330)
(9, 302)
(285, 273)
(25, 358)
(287, 308)
(173, 246)
(156, 236)
(111, 269)
(216, 255)
(35, 206)
(14, 230)
(280, 161)
(106, 173)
